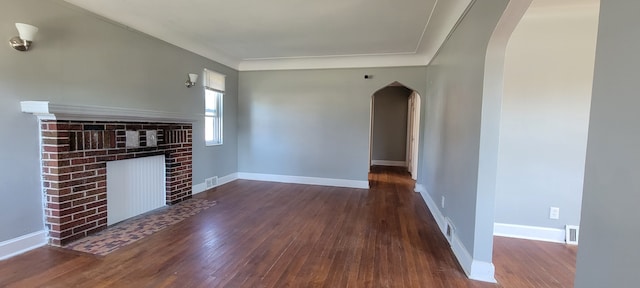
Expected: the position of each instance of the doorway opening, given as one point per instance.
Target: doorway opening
(395, 127)
(543, 116)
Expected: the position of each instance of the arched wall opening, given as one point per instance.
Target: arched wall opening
(462, 131)
(462, 117)
(489, 139)
(544, 119)
(395, 127)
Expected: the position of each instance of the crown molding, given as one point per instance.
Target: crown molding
(357, 61)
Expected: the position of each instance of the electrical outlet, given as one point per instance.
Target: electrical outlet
(442, 202)
(554, 213)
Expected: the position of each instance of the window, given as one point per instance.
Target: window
(213, 96)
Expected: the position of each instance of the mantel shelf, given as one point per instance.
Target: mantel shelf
(46, 110)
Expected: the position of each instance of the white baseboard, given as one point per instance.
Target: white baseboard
(227, 179)
(201, 187)
(19, 245)
(418, 188)
(433, 207)
(389, 163)
(476, 270)
(198, 188)
(304, 180)
(529, 232)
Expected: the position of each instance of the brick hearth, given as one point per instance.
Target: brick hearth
(74, 161)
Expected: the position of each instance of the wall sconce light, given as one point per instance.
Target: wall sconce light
(23, 42)
(191, 80)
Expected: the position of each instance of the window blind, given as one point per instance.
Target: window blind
(214, 81)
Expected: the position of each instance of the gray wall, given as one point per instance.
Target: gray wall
(81, 59)
(545, 115)
(390, 124)
(450, 150)
(609, 255)
(311, 123)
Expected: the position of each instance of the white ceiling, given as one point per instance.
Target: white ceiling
(285, 34)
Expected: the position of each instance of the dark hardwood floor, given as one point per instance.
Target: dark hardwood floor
(265, 234)
(526, 263)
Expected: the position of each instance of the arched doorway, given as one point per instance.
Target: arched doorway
(395, 127)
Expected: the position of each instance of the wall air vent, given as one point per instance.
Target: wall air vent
(211, 182)
(572, 233)
(450, 230)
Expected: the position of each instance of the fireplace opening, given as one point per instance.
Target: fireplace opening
(134, 186)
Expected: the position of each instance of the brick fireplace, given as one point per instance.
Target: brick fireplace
(77, 141)
(74, 157)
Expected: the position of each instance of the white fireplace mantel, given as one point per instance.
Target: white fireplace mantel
(46, 110)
